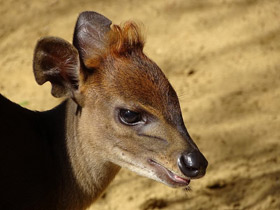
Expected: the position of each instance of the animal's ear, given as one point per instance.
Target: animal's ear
(90, 35)
(57, 61)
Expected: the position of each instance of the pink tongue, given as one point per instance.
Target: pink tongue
(181, 179)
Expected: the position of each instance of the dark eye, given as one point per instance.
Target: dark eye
(129, 117)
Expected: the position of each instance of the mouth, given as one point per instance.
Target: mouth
(168, 176)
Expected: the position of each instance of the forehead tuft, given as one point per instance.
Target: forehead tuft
(121, 41)
(125, 38)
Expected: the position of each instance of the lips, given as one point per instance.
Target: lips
(172, 179)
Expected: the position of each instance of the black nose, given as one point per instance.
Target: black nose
(192, 164)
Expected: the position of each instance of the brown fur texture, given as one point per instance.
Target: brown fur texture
(123, 67)
(125, 38)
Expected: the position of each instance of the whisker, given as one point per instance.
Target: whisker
(187, 189)
(184, 96)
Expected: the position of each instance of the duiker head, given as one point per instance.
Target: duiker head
(129, 113)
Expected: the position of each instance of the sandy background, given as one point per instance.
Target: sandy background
(223, 59)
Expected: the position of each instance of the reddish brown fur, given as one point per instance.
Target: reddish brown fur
(120, 41)
(123, 68)
(125, 39)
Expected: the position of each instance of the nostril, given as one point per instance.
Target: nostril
(192, 169)
(192, 164)
(186, 165)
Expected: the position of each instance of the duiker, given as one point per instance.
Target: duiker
(120, 111)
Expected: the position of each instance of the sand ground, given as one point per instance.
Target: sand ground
(223, 59)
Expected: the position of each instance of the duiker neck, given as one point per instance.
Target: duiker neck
(68, 193)
(89, 178)
(79, 181)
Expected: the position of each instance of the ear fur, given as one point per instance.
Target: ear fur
(90, 35)
(57, 61)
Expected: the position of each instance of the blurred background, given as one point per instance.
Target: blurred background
(223, 59)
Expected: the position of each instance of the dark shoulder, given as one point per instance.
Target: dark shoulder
(9, 108)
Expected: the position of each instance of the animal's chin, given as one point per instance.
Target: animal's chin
(167, 176)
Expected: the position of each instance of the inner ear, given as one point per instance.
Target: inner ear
(90, 36)
(57, 61)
